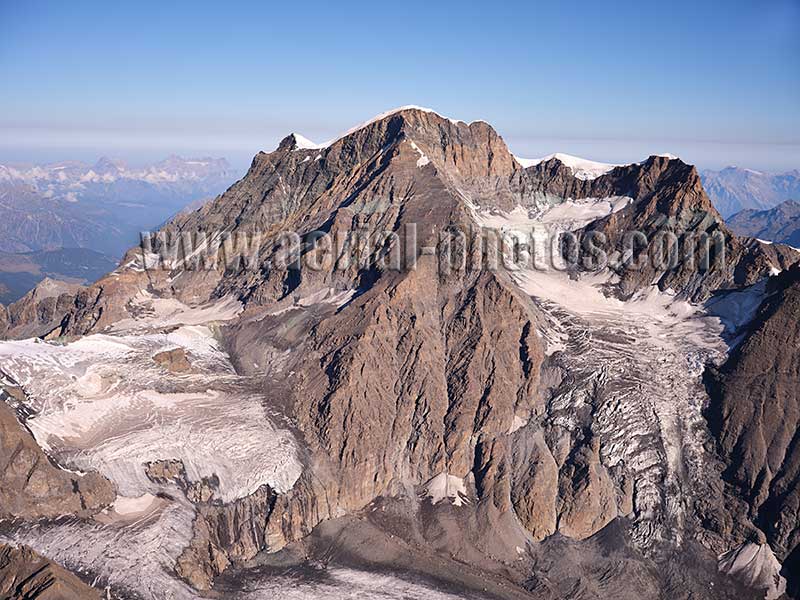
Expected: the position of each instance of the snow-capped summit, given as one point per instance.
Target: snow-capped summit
(582, 168)
(303, 143)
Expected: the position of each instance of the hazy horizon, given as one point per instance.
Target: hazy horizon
(717, 84)
(742, 155)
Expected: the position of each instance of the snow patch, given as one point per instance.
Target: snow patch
(446, 486)
(124, 505)
(574, 214)
(153, 312)
(303, 143)
(330, 296)
(422, 160)
(541, 223)
(517, 423)
(735, 309)
(754, 565)
(581, 168)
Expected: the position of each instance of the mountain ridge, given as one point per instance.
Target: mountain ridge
(543, 428)
(734, 189)
(103, 206)
(780, 224)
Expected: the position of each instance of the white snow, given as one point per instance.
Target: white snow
(582, 168)
(155, 312)
(303, 143)
(574, 214)
(543, 223)
(138, 555)
(517, 423)
(641, 359)
(422, 160)
(328, 295)
(754, 565)
(102, 403)
(737, 308)
(445, 486)
(345, 584)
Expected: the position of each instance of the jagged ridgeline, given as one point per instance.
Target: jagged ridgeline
(355, 357)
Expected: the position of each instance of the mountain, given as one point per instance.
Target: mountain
(102, 207)
(755, 416)
(20, 272)
(734, 189)
(403, 364)
(780, 224)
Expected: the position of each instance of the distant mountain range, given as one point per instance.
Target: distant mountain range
(103, 206)
(734, 189)
(20, 272)
(780, 224)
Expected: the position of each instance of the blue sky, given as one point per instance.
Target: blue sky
(715, 82)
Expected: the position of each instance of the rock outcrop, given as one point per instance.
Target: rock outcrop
(24, 575)
(225, 535)
(31, 487)
(173, 360)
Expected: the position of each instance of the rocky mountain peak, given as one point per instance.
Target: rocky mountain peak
(444, 141)
(486, 407)
(105, 165)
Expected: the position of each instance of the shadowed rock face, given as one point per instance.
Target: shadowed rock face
(24, 575)
(434, 384)
(755, 415)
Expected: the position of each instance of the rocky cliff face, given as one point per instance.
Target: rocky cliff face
(686, 246)
(755, 416)
(32, 487)
(496, 421)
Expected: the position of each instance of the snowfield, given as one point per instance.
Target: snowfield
(103, 403)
